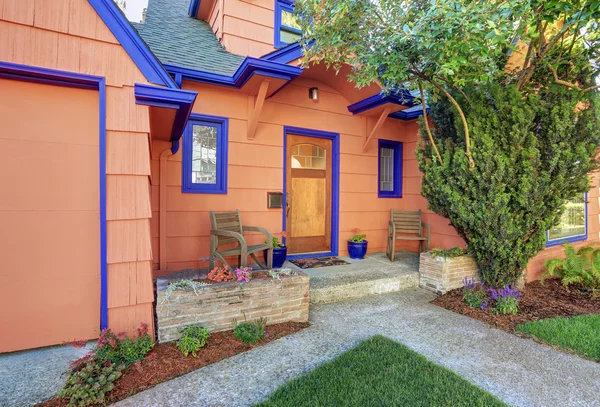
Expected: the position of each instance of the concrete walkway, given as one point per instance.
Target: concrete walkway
(519, 371)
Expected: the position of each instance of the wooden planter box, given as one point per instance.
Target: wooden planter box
(441, 274)
(215, 306)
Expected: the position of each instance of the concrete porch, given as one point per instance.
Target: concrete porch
(375, 274)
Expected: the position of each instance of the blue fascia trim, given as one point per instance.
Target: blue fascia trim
(222, 124)
(286, 54)
(193, 9)
(402, 98)
(335, 185)
(398, 161)
(571, 239)
(249, 67)
(402, 115)
(63, 78)
(130, 40)
(174, 146)
(181, 100)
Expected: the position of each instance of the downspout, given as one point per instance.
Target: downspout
(162, 205)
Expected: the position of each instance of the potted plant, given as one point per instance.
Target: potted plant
(357, 245)
(279, 252)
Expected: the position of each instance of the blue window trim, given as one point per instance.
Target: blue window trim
(283, 5)
(222, 124)
(335, 186)
(35, 74)
(397, 146)
(571, 239)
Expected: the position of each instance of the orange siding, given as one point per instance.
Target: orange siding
(69, 35)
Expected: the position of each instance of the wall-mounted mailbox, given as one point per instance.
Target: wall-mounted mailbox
(274, 200)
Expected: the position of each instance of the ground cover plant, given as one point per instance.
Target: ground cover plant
(380, 372)
(580, 268)
(193, 338)
(579, 334)
(165, 362)
(538, 301)
(250, 332)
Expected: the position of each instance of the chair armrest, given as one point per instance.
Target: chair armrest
(426, 226)
(261, 230)
(392, 227)
(228, 233)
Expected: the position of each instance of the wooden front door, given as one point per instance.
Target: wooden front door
(308, 187)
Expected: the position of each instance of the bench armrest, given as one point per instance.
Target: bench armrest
(391, 228)
(264, 231)
(426, 226)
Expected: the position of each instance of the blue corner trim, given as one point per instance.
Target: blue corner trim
(571, 239)
(286, 54)
(62, 78)
(130, 40)
(408, 114)
(398, 160)
(401, 97)
(222, 126)
(181, 100)
(249, 67)
(335, 185)
(193, 9)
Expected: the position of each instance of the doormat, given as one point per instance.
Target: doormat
(318, 262)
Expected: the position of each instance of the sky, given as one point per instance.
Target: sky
(133, 9)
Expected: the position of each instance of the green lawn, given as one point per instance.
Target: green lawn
(580, 334)
(380, 372)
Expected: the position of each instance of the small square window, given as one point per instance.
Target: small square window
(390, 169)
(287, 28)
(204, 168)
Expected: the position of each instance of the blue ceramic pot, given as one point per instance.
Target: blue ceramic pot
(279, 256)
(357, 250)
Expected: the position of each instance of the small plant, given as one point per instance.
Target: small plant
(119, 349)
(244, 274)
(357, 238)
(581, 267)
(250, 332)
(276, 243)
(507, 300)
(276, 274)
(177, 285)
(90, 384)
(474, 294)
(220, 274)
(193, 338)
(454, 252)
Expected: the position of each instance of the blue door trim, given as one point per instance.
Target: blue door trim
(63, 78)
(335, 186)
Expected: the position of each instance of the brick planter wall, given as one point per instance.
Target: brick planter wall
(441, 274)
(216, 305)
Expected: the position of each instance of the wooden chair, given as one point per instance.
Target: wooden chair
(227, 228)
(406, 222)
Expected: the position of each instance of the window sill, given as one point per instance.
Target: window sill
(202, 191)
(573, 239)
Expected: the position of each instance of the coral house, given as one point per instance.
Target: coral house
(121, 128)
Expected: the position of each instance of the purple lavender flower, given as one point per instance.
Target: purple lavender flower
(484, 305)
(469, 284)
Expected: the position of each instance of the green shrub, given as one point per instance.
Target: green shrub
(193, 338)
(450, 253)
(250, 332)
(581, 267)
(111, 348)
(474, 297)
(89, 385)
(532, 152)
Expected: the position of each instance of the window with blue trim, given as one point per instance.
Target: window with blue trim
(204, 152)
(573, 223)
(390, 169)
(287, 29)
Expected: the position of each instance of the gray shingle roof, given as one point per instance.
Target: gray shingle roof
(178, 39)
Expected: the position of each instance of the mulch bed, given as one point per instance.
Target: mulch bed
(319, 262)
(539, 301)
(165, 361)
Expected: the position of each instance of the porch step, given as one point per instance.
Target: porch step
(371, 276)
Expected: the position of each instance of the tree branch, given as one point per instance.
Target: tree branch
(569, 84)
(426, 119)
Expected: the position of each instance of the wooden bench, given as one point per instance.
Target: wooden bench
(403, 223)
(227, 228)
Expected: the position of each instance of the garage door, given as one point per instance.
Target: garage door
(49, 215)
